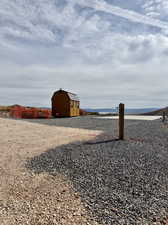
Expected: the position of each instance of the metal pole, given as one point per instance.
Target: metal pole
(121, 121)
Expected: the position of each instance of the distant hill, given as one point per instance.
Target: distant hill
(158, 112)
(127, 110)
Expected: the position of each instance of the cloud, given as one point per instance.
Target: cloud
(49, 23)
(127, 14)
(97, 85)
(36, 21)
(89, 47)
(156, 8)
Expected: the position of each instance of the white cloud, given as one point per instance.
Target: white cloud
(45, 46)
(136, 82)
(156, 8)
(45, 22)
(127, 14)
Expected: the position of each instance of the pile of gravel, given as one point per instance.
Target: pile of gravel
(119, 182)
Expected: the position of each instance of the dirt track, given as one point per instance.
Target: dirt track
(26, 198)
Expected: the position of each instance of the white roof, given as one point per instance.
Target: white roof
(73, 97)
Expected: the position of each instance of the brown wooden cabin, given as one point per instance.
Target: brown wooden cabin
(65, 104)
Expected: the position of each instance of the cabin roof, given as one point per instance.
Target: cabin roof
(72, 96)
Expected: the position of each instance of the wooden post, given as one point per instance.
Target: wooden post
(121, 121)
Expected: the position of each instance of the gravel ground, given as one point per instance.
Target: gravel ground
(88, 122)
(95, 179)
(119, 182)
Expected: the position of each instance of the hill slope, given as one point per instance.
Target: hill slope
(158, 112)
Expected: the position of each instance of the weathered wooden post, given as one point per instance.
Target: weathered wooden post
(121, 121)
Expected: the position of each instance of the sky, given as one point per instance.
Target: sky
(106, 51)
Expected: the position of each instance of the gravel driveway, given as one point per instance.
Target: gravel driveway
(88, 122)
(93, 180)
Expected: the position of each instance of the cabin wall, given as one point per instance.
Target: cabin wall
(74, 108)
(60, 105)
